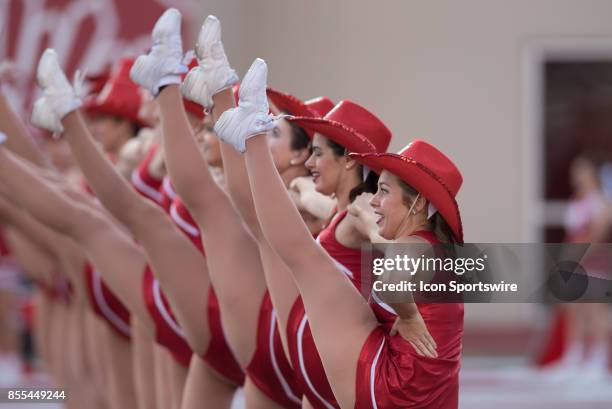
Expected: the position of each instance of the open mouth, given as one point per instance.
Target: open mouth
(315, 176)
(380, 218)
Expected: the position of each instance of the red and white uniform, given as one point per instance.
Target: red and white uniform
(219, 355)
(144, 182)
(168, 333)
(168, 193)
(269, 369)
(391, 375)
(303, 352)
(105, 304)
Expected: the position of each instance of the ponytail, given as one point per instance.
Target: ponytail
(369, 185)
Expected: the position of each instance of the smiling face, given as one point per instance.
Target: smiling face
(393, 208)
(326, 167)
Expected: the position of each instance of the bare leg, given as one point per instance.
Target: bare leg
(306, 404)
(118, 353)
(598, 331)
(279, 279)
(203, 385)
(144, 368)
(168, 251)
(176, 378)
(339, 331)
(98, 235)
(19, 141)
(76, 372)
(232, 254)
(255, 399)
(163, 394)
(93, 330)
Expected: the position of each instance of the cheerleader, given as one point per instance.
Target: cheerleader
(166, 247)
(208, 203)
(588, 220)
(360, 356)
(84, 331)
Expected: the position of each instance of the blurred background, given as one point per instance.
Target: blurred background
(513, 91)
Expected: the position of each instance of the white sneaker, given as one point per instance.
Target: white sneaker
(251, 117)
(214, 73)
(58, 99)
(44, 118)
(163, 65)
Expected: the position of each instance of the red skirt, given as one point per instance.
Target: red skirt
(105, 304)
(269, 369)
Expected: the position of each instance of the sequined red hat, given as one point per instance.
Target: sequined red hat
(350, 125)
(291, 105)
(320, 106)
(119, 96)
(95, 82)
(284, 102)
(429, 171)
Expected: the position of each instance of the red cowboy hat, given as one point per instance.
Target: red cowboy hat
(95, 82)
(291, 105)
(288, 103)
(350, 125)
(427, 170)
(119, 96)
(316, 107)
(190, 106)
(320, 106)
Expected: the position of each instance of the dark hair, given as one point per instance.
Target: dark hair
(438, 225)
(369, 185)
(299, 137)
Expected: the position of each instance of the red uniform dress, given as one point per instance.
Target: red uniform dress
(219, 355)
(168, 193)
(144, 182)
(269, 369)
(304, 355)
(391, 375)
(168, 332)
(105, 304)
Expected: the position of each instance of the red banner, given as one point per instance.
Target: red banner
(87, 34)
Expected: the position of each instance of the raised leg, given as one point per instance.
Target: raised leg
(98, 235)
(231, 253)
(179, 267)
(204, 389)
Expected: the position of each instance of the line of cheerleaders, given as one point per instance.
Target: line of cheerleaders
(221, 248)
